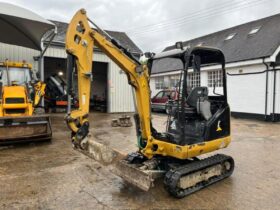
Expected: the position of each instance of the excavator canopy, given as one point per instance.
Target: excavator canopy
(22, 27)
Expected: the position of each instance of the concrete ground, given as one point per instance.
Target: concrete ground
(54, 176)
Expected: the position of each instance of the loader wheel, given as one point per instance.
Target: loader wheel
(39, 111)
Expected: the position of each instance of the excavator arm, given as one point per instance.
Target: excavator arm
(81, 40)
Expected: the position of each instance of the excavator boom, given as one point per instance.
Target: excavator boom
(80, 42)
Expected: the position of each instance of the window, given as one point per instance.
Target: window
(194, 79)
(20, 76)
(254, 30)
(167, 94)
(159, 82)
(215, 77)
(173, 94)
(160, 94)
(174, 80)
(230, 36)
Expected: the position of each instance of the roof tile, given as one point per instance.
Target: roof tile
(244, 46)
(120, 36)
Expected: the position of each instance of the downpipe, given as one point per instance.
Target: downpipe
(266, 89)
(274, 93)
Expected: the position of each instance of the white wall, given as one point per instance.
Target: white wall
(246, 93)
(18, 54)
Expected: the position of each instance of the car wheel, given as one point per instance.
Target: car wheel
(167, 110)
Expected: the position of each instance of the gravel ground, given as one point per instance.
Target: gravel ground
(51, 175)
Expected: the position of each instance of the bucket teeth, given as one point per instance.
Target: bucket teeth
(134, 174)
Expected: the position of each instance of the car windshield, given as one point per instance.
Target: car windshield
(15, 75)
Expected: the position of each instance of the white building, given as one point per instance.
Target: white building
(252, 56)
(109, 82)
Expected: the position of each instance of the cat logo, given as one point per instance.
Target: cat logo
(219, 126)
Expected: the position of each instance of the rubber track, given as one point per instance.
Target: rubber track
(172, 177)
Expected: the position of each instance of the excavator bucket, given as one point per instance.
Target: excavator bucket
(131, 173)
(25, 129)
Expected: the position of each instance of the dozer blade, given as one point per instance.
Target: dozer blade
(133, 174)
(25, 129)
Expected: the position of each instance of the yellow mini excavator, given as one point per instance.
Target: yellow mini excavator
(198, 123)
(21, 118)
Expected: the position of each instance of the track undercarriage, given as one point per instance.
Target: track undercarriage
(181, 178)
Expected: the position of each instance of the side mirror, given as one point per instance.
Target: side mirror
(196, 63)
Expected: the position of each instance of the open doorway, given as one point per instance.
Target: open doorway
(98, 95)
(99, 98)
(55, 79)
(54, 66)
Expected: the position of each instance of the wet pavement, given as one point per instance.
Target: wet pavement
(54, 176)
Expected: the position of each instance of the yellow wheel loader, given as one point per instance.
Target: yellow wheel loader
(198, 122)
(21, 118)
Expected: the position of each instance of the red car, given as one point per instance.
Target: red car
(160, 100)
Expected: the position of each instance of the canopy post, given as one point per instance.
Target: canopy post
(41, 57)
(48, 42)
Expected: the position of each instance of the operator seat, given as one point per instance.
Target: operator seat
(198, 99)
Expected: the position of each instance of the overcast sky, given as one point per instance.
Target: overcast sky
(155, 24)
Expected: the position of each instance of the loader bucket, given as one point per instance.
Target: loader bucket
(25, 129)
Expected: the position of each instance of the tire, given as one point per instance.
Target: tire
(167, 110)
